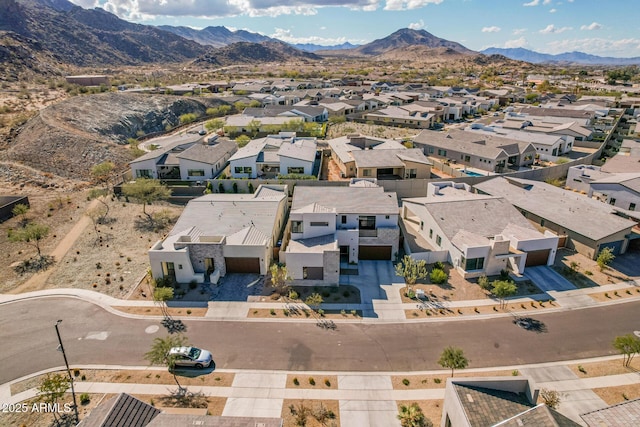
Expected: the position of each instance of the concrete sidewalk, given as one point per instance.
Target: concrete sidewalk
(362, 396)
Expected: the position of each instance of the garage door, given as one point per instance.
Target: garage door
(243, 265)
(537, 258)
(616, 247)
(374, 252)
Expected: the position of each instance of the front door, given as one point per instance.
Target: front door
(169, 270)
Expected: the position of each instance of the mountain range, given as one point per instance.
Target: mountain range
(60, 33)
(521, 54)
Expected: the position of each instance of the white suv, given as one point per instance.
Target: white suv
(191, 356)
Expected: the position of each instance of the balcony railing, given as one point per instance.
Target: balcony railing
(368, 233)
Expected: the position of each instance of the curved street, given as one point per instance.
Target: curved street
(92, 335)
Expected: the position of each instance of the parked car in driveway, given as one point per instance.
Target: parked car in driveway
(191, 357)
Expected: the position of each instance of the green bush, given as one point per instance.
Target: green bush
(312, 381)
(406, 382)
(438, 276)
(84, 398)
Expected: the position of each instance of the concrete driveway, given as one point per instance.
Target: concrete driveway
(547, 279)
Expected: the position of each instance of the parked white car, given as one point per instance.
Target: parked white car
(191, 356)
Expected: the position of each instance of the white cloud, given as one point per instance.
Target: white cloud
(286, 36)
(553, 10)
(546, 2)
(521, 42)
(552, 29)
(492, 29)
(532, 3)
(409, 4)
(623, 48)
(417, 25)
(87, 4)
(519, 31)
(591, 27)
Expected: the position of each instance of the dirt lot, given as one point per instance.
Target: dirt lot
(112, 260)
(586, 273)
(378, 131)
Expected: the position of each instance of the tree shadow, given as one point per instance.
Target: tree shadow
(183, 398)
(34, 265)
(531, 324)
(173, 326)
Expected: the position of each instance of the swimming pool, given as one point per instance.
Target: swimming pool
(471, 173)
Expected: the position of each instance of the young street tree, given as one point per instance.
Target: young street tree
(159, 354)
(279, 278)
(605, 257)
(412, 270)
(503, 289)
(21, 210)
(102, 175)
(453, 358)
(52, 388)
(314, 300)
(161, 295)
(32, 233)
(146, 191)
(628, 345)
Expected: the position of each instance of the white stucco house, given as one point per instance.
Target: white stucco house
(268, 157)
(477, 234)
(219, 234)
(328, 225)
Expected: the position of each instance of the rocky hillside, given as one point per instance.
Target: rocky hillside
(68, 138)
(407, 38)
(216, 36)
(249, 53)
(22, 57)
(87, 37)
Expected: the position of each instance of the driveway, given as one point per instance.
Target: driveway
(547, 279)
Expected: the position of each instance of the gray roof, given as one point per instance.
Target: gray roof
(274, 146)
(472, 220)
(243, 218)
(345, 200)
(484, 145)
(486, 406)
(621, 163)
(172, 420)
(628, 180)
(557, 112)
(388, 158)
(210, 154)
(587, 217)
(122, 410)
(299, 148)
(519, 135)
(345, 145)
(540, 416)
(625, 414)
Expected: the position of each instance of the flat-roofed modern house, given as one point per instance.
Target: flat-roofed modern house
(497, 401)
(621, 190)
(273, 155)
(580, 177)
(582, 224)
(556, 115)
(569, 129)
(359, 222)
(479, 234)
(486, 152)
(188, 158)
(368, 157)
(219, 234)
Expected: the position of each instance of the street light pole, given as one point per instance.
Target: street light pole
(73, 392)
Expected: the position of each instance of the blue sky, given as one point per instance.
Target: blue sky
(606, 28)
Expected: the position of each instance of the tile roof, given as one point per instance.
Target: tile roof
(629, 180)
(388, 158)
(169, 144)
(587, 217)
(488, 146)
(210, 154)
(625, 414)
(539, 416)
(122, 410)
(485, 407)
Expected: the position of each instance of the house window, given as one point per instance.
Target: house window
(343, 220)
(144, 173)
(297, 170)
(438, 240)
(430, 150)
(319, 224)
(612, 201)
(467, 158)
(179, 266)
(296, 227)
(367, 222)
(195, 172)
(431, 233)
(542, 222)
(632, 206)
(366, 172)
(386, 217)
(243, 169)
(473, 263)
(412, 173)
(442, 153)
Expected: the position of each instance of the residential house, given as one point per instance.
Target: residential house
(622, 414)
(327, 224)
(548, 147)
(419, 115)
(580, 177)
(621, 190)
(486, 152)
(307, 113)
(569, 129)
(479, 234)
(626, 161)
(497, 401)
(369, 157)
(273, 155)
(582, 224)
(556, 115)
(222, 233)
(188, 158)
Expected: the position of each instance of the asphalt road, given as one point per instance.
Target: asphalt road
(91, 335)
